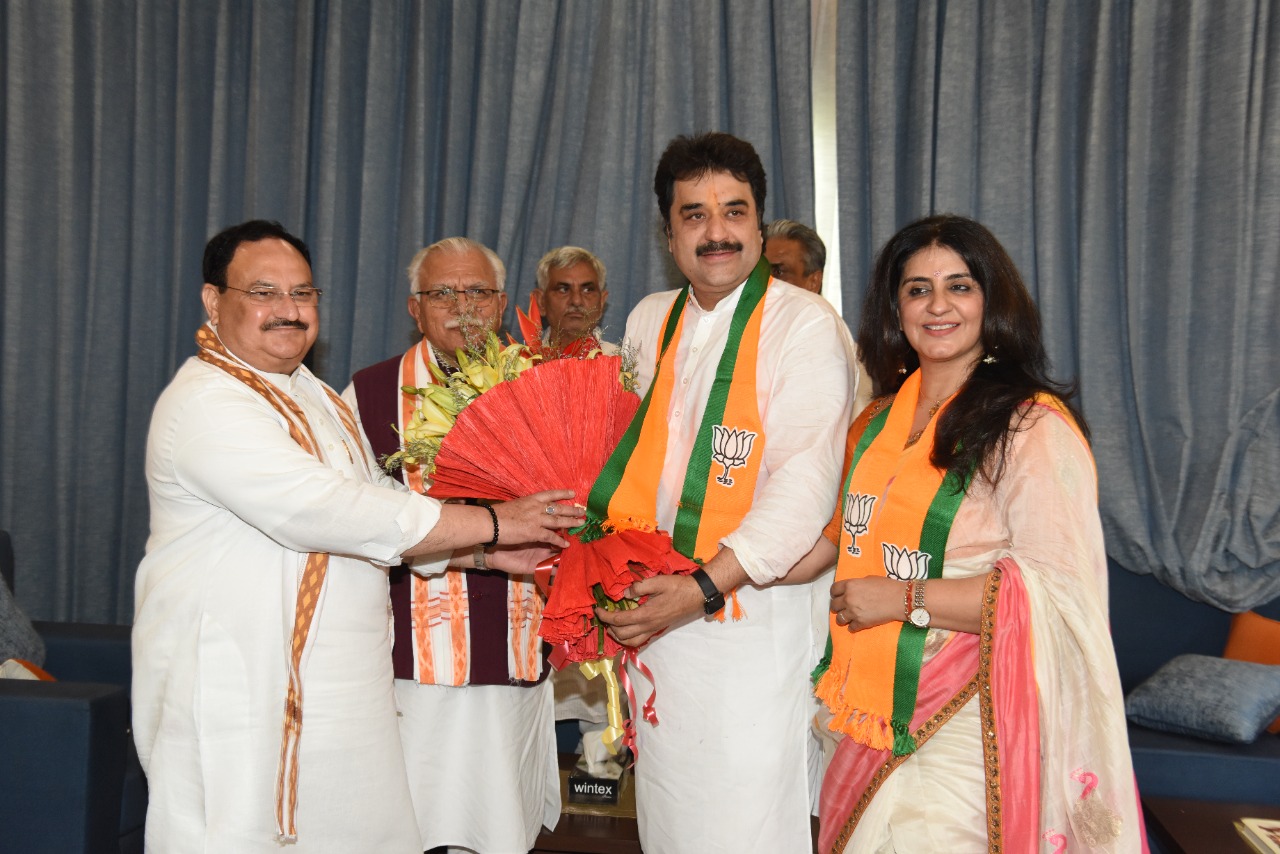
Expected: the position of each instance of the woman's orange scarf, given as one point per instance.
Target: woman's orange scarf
(898, 510)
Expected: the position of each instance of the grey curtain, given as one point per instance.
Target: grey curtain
(1127, 153)
(132, 131)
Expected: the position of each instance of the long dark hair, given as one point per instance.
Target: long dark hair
(973, 433)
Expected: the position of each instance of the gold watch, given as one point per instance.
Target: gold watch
(919, 615)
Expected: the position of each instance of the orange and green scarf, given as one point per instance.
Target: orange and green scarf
(720, 480)
(897, 512)
(898, 509)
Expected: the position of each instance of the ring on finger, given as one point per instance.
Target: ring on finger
(551, 510)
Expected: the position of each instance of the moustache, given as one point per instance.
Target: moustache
(468, 323)
(280, 322)
(718, 246)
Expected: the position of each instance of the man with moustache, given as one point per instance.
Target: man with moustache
(476, 710)
(262, 702)
(571, 297)
(748, 388)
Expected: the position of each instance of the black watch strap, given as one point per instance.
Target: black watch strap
(712, 598)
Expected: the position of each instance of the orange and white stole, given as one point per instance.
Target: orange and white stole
(212, 351)
(720, 479)
(439, 604)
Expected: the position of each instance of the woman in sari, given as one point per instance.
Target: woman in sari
(971, 679)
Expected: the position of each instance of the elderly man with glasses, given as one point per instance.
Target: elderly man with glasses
(477, 720)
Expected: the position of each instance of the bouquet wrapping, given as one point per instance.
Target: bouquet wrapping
(506, 425)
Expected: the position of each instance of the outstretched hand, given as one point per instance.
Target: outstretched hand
(664, 601)
(537, 518)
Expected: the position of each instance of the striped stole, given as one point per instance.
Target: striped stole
(212, 351)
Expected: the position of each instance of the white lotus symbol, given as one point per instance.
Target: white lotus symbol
(730, 448)
(857, 512)
(904, 563)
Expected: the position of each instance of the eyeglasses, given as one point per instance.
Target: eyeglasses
(448, 296)
(272, 296)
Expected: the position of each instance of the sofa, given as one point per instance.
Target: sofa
(1152, 623)
(70, 779)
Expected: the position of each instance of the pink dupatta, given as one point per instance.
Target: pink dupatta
(947, 682)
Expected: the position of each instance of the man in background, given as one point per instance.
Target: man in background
(571, 297)
(796, 254)
(476, 721)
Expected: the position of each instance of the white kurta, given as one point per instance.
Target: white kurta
(727, 767)
(236, 505)
(482, 764)
(481, 759)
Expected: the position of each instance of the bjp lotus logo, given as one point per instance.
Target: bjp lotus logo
(857, 512)
(730, 448)
(903, 563)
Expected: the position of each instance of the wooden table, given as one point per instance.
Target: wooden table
(1197, 827)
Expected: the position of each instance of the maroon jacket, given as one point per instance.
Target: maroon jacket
(378, 397)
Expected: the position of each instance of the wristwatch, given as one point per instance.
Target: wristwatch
(919, 615)
(712, 598)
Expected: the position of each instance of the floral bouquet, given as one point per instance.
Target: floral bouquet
(439, 405)
(507, 424)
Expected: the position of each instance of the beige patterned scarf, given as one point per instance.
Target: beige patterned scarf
(213, 352)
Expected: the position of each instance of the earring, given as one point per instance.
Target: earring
(989, 359)
(902, 369)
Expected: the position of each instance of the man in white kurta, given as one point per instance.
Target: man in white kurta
(727, 768)
(236, 505)
(476, 710)
(238, 509)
